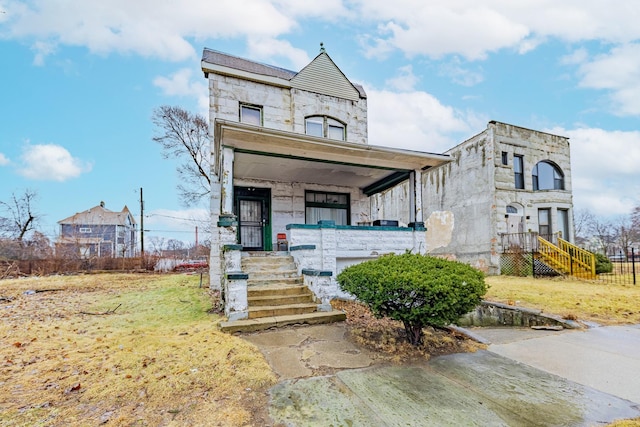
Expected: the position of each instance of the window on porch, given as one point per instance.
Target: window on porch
(326, 206)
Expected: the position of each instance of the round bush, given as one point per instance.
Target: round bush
(603, 264)
(415, 289)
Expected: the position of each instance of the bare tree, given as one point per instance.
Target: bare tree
(625, 233)
(581, 222)
(19, 216)
(185, 136)
(604, 231)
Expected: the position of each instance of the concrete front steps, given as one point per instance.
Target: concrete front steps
(277, 296)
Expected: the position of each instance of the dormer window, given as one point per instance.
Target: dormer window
(325, 127)
(251, 114)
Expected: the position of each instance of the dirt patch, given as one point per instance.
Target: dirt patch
(387, 340)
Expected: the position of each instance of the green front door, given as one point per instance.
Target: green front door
(252, 208)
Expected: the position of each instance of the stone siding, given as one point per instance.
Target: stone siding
(283, 108)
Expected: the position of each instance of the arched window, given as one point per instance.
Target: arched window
(547, 176)
(325, 127)
(512, 209)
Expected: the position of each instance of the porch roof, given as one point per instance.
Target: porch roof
(275, 155)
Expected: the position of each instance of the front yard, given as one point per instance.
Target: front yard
(144, 349)
(122, 350)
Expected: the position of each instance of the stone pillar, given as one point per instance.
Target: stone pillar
(227, 180)
(215, 256)
(328, 245)
(417, 191)
(236, 305)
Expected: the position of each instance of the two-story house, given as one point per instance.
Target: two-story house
(99, 232)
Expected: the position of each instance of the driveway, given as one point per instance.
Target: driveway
(525, 378)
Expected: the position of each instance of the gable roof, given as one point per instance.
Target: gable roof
(99, 215)
(321, 75)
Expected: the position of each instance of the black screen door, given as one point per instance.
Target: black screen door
(251, 233)
(252, 210)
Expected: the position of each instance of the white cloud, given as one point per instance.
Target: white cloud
(577, 57)
(459, 74)
(153, 28)
(182, 83)
(435, 29)
(4, 160)
(473, 28)
(604, 169)
(417, 121)
(405, 80)
(619, 72)
(50, 162)
(270, 48)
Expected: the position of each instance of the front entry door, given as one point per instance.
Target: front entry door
(253, 212)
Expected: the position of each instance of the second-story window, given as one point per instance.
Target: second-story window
(325, 127)
(251, 114)
(518, 171)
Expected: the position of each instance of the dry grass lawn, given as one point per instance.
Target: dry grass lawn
(144, 350)
(149, 354)
(606, 304)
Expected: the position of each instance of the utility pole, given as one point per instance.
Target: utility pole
(141, 226)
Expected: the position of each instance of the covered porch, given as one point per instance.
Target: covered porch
(265, 183)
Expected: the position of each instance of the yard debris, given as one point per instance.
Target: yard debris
(102, 314)
(548, 327)
(37, 291)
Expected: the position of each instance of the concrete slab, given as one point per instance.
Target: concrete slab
(550, 378)
(470, 389)
(604, 358)
(299, 352)
(504, 335)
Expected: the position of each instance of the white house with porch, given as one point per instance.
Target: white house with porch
(298, 193)
(292, 170)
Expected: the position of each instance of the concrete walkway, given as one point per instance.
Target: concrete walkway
(604, 358)
(525, 378)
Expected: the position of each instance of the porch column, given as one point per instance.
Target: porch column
(215, 255)
(227, 180)
(416, 196)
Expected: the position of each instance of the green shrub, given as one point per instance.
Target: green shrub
(417, 290)
(603, 264)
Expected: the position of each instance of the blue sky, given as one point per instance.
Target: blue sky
(80, 80)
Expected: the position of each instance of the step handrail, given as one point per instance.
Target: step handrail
(568, 258)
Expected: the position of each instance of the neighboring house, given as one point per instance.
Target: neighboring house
(502, 183)
(292, 170)
(99, 232)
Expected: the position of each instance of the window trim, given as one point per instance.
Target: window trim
(505, 158)
(327, 123)
(254, 107)
(518, 162)
(549, 223)
(313, 204)
(558, 176)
